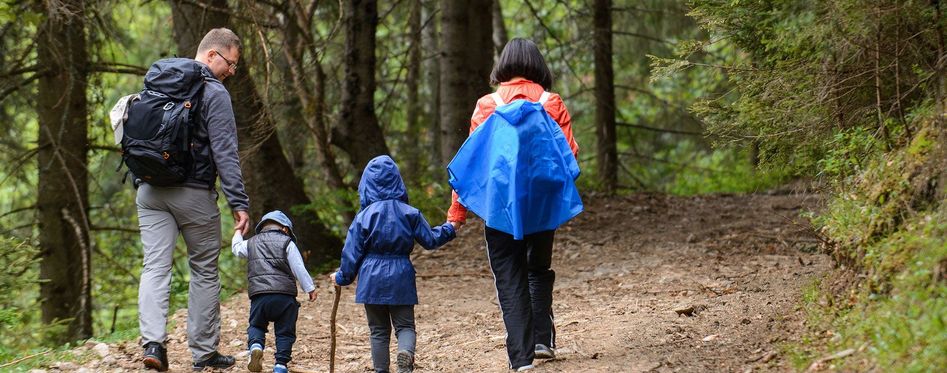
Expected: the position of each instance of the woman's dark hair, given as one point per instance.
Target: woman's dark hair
(521, 58)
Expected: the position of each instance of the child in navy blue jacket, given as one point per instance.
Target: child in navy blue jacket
(377, 250)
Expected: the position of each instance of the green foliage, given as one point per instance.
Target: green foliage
(820, 95)
(847, 151)
(896, 315)
(19, 278)
(722, 171)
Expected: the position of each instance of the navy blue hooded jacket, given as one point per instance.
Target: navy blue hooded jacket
(382, 236)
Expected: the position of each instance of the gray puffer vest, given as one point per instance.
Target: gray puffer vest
(268, 269)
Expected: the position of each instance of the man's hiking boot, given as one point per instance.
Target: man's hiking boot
(216, 360)
(405, 362)
(543, 352)
(256, 358)
(525, 368)
(155, 357)
(280, 368)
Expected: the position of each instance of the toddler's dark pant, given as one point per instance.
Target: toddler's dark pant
(281, 310)
(524, 284)
(381, 317)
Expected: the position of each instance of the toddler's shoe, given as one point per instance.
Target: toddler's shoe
(256, 358)
(280, 368)
(405, 362)
(543, 352)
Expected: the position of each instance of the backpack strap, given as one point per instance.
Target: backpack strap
(544, 98)
(498, 99)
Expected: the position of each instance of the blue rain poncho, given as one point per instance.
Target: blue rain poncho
(517, 172)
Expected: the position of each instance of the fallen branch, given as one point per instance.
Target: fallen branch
(25, 358)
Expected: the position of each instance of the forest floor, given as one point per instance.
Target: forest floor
(622, 269)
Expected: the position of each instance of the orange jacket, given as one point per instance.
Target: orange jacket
(515, 89)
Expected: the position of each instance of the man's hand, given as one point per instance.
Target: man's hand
(241, 222)
(332, 277)
(312, 296)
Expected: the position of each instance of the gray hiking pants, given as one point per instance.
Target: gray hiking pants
(162, 214)
(381, 317)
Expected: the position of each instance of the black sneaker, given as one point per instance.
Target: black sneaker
(405, 362)
(543, 352)
(216, 360)
(155, 357)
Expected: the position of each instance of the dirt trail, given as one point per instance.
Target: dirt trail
(622, 268)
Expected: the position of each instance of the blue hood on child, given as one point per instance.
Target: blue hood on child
(381, 181)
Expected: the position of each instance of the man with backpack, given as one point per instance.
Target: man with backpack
(180, 134)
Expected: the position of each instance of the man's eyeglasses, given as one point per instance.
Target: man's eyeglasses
(233, 65)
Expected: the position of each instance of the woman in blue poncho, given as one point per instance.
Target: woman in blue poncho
(519, 258)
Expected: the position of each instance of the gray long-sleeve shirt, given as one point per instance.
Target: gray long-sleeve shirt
(218, 115)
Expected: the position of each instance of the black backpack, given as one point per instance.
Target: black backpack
(156, 144)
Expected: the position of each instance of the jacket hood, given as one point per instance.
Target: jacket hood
(381, 181)
(280, 218)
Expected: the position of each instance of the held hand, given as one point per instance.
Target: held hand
(456, 224)
(312, 296)
(241, 222)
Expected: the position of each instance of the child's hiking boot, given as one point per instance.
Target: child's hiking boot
(525, 368)
(216, 360)
(256, 358)
(543, 352)
(405, 362)
(155, 357)
(280, 368)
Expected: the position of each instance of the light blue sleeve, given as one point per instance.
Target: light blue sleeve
(299, 268)
(238, 245)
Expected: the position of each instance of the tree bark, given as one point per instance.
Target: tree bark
(270, 181)
(412, 159)
(465, 68)
(499, 28)
(62, 199)
(607, 151)
(432, 73)
(358, 133)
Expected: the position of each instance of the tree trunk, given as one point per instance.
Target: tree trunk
(499, 28)
(358, 134)
(270, 181)
(63, 199)
(465, 68)
(412, 158)
(607, 152)
(432, 74)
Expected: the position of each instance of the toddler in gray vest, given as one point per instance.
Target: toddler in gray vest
(274, 265)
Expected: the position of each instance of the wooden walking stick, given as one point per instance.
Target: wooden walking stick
(335, 310)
